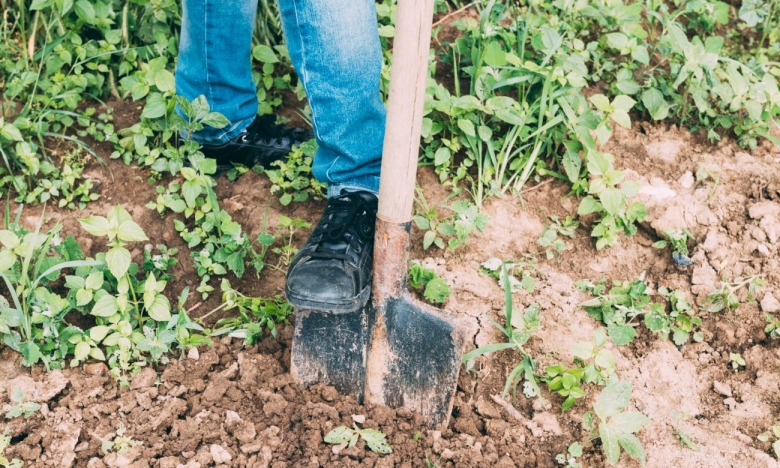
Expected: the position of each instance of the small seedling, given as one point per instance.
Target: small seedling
(618, 310)
(19, 407)
(374, 439)
(680, 321)
(435, 289)
(255, 314)
(495, 267)
(616, 427)
(725, 297)
(566, 383)
(736, 361)
(466, 218)
(678, 239)
(603, 361)
(764, 437)
(550, 239)
(772, 326)
(120, 444)
(685, 438)
(431, 464)
(569, 459)
(517, 337)
(5, 442)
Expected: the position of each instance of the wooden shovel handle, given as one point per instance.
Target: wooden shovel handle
(405, 109)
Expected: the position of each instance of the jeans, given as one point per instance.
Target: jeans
(334, 47)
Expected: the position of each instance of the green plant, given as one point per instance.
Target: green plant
(291, 179)
(680, 321)
(685, 438)
(566, 383)
(772, 326)
(497, 268)
(517, 332)
(550, 239)
(374, 439)
(19, 407)
(435, 289)
(614, 426)
(618, 309)
(678, 239)
(763, 437)
(456, 228)
(569, 459)
(736, 361)
(120, 444)
(254, 315)
(287, 251)
(725, 297)
(5, 442)
(609, 202)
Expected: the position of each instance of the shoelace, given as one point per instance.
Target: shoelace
(341, 216)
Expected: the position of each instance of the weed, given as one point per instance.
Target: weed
(435, 289)
(772, 326)
(763, 437)
(550, 239)
(680, 321)
(432, 464)
(518, 332)
(678, 239)
(614, 426)
(19, 407)
(120, 444)
(291, 179)
(374, 439)
(618, 310)
(685, 438)
(497, 268)
(569, 459)
(456, 228)
(725, 297)
(5, 442)
(287, 251)
(736, 361)
(254, 315)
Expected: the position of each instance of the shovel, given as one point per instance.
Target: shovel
(415, 349)
(398, 351)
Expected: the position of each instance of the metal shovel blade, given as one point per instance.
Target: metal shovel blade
(415, 349)
(331, 349)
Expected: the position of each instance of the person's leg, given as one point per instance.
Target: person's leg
(334, 46)
(215, 61)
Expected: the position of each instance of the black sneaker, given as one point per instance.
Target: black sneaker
(332, 271)
(261, 143)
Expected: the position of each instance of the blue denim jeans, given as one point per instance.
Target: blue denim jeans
(334, 47)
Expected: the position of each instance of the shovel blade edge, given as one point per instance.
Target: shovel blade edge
(415, 358)
(331, 349)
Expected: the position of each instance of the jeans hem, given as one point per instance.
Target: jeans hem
(334, 190)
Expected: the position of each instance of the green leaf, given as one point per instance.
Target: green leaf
(98, 332)
(339, 435)
(629, 422)
(572, 164)
(494, 55)
(621, 118)
(118, 261)
(160, 309)
(617, 40)
(94, 281)
(85, 11)
(96, 225)
(612, 199)
(190, 190)
(264, 54)
(621, 334)
(589, 205)
(215, 120)
(633, 447)
(164, 81)
(610, 443)
(129, 231)
(83, 297)
(10, 132)
(376, 441)
(106, 306)
(437, 291)
(467, 127)
(623, 103)
(155, 106)
(7, 260)
(613, 399)
(601, 102)
(654, 102)
(82, 351)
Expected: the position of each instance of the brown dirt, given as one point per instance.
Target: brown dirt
(229, 406)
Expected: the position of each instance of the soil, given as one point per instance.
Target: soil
(239, 406)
